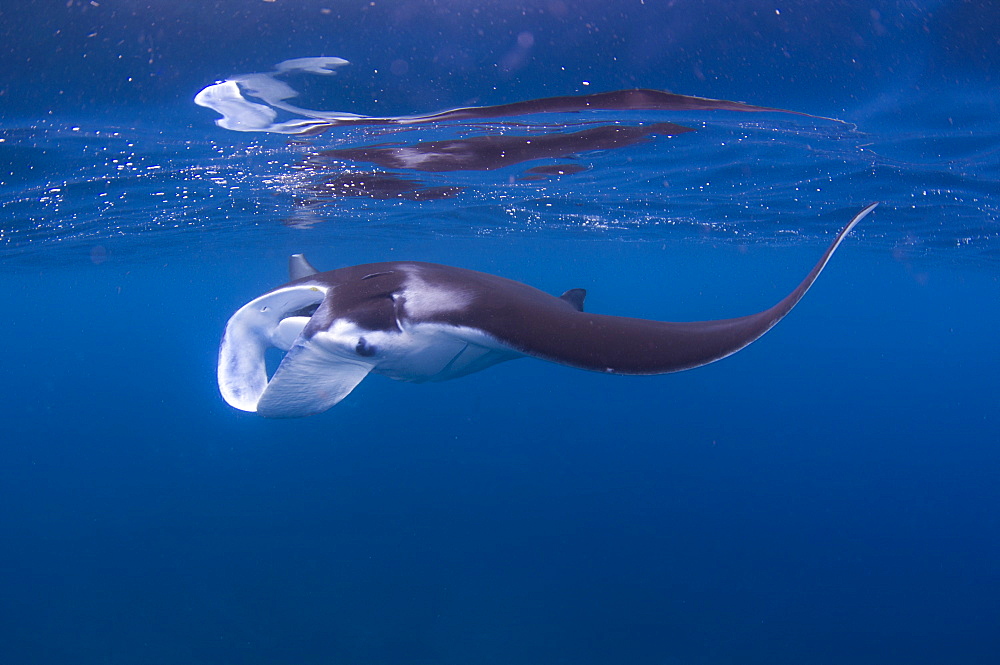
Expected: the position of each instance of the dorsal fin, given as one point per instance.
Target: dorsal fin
(299, 267)
(575, 298)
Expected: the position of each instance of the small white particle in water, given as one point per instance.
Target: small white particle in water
(586, 82)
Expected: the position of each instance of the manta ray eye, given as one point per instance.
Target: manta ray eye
(363, 348)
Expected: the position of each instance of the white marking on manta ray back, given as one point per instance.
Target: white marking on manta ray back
(424, 300)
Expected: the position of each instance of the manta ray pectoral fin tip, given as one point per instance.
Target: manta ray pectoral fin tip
(299, 267)
(858, 217)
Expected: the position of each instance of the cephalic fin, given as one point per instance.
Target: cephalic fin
(310, 380)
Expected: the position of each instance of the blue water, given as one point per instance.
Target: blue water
(828, 495)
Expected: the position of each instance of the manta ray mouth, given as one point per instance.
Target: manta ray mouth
(310, 378)
(274, 320)
(306, 311)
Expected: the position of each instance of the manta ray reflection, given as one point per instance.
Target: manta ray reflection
(419, 322)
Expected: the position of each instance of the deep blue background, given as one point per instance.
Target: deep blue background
(829, 495)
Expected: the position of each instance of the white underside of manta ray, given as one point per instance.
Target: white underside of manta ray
(418, 322)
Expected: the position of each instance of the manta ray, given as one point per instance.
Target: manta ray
(414, 321)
